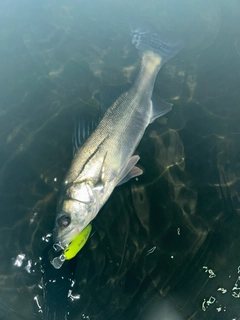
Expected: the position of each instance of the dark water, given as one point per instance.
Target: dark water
(165, 246)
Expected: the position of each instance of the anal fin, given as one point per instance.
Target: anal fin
(130, 171)
(159, 107)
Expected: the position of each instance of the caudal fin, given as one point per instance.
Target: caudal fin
(165, 45)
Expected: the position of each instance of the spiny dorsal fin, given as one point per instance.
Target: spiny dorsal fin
(83, 129)
(87, 123)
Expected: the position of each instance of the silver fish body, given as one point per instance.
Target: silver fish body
(106, 158)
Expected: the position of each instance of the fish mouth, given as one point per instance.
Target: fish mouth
(62, 241)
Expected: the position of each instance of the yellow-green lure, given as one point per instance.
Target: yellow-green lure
(73, 248)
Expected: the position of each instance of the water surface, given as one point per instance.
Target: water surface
(165, 246)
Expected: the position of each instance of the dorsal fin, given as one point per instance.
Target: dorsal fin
(87, 123)
(83, 129)
(109, 94)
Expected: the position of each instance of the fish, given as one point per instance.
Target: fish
(104, 157)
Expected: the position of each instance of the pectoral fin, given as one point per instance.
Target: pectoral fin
(100, 181)
(130, 171)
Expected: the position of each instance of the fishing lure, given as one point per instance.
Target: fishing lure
(73, 248)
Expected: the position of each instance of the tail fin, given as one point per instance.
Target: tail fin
(146, 39)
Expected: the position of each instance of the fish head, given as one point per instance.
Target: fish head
(75, 210)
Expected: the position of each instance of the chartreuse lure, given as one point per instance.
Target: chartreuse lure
(73, 248)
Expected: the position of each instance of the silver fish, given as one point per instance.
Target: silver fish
(106, 158)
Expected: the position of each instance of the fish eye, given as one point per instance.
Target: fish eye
(64, 221)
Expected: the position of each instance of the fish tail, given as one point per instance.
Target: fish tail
(146, 39)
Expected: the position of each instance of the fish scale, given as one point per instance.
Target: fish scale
(106, 159)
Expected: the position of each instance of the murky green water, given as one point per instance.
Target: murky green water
(167, 245)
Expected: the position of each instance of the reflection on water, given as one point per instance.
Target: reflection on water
(165, 245)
